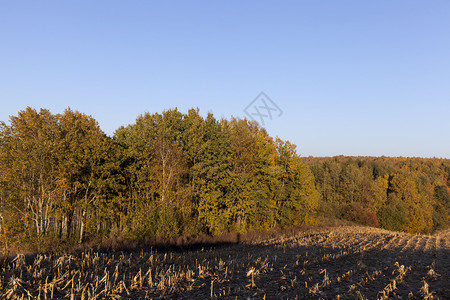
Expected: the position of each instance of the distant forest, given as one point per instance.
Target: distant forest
(63, 180)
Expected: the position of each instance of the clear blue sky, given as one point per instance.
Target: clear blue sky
(351, 77)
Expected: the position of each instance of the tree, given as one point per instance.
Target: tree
(28, 166)
(296, 197)
(156, 171)
(212, 176)
(84, 171)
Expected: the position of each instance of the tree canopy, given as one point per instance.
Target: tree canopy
(396, 193)
(172, 173)
(168, 174)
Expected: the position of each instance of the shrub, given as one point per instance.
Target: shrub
(393, 216)
(355, 212)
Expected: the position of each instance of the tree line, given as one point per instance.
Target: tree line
(169, 174)
(395, 193)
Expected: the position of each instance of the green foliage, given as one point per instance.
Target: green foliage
(405, 194)
(393, 216)
(55, 171)
(441, 206)
(296, 196)
(170, 174)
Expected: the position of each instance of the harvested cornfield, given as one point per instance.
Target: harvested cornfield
(322, 263)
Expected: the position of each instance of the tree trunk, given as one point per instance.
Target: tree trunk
(83, 216)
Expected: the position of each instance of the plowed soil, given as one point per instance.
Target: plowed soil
(344, 262)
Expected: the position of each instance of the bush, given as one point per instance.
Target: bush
(355, 212)
(393, 216)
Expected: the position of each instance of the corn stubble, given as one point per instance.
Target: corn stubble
(322, 263)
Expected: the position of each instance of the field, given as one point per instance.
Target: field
(345, 262)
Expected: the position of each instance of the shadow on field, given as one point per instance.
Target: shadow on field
(192, 243)
(321, 263)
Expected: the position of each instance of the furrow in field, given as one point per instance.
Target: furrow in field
(442, 265)
(393, 241)
(411, 244)
(430, 245)
(420, 244)
(400, 244)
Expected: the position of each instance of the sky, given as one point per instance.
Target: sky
(363, 78)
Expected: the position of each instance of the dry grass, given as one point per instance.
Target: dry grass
(318, 263)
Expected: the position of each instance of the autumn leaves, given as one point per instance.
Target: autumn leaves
(168, 174)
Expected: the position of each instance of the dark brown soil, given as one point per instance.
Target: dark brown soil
(345, 262)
